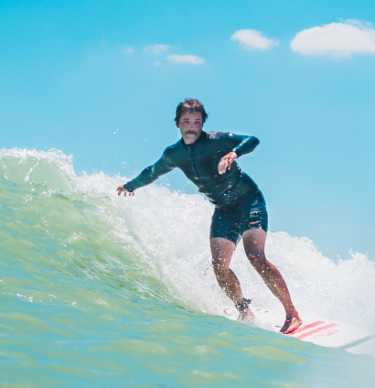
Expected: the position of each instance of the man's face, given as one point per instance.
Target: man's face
(190, 125)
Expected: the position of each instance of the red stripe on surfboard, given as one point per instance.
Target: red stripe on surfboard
(303, 328)
(316, 330)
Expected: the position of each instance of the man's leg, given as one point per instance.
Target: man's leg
(254, 241)
(222, 250)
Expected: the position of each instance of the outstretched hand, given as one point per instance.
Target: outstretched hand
(121, 189)
(226, 162)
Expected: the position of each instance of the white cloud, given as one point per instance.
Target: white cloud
(337, 39)
(191, 59)
(359, 23)
(157, 63)
(252, 40)
(128, 50)
(157, 48)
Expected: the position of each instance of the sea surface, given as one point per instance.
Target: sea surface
(98, 290)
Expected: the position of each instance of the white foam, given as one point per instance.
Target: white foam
(170, 232)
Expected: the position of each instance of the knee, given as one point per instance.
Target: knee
(258, 261)
(219, 268)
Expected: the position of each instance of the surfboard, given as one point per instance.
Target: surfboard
(332, 334)
(328, 333)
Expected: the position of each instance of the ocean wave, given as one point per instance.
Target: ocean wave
(150, 247)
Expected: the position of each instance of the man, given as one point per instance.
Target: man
(208, 160)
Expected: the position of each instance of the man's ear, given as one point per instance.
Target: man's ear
(177, 124)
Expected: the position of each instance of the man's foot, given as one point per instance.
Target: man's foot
(246, 316)
(292, 322)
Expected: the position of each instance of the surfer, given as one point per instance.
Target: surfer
(208, 160)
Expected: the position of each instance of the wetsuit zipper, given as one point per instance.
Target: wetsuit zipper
(192, 166)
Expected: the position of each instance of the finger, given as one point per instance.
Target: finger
(219, 166)
(225, 165)
(222, 166)
(222, 161)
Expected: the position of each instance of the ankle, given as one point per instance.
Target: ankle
(292, 312)
(244, 305)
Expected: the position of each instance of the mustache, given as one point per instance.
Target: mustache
(190, 133)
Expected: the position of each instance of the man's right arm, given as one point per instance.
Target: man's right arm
(148, 175)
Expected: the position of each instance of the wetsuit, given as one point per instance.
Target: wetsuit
(239, 203)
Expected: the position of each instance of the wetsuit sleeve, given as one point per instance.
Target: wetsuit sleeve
(245, 144)
(151, 173)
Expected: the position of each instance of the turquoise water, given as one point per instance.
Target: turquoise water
(101, 291)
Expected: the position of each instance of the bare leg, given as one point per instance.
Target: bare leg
(254, 241)
(222, 250)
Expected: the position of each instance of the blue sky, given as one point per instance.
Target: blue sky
(101, 81)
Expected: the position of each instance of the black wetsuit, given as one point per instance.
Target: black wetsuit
(230, 192)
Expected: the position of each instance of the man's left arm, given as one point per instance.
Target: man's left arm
(246, 144)
(243, 145)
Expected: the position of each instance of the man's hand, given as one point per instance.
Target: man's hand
(121, 189)
(226, 162)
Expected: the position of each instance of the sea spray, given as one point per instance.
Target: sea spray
(83, 269)
(168, 233)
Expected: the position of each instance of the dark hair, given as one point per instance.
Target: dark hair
(190, 105)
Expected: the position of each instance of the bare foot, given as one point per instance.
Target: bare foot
(292, 322)
(246, 315)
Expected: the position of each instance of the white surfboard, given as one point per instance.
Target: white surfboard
(332, 334)
(328, 333)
